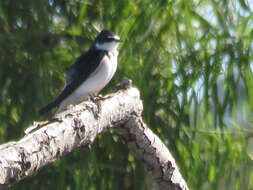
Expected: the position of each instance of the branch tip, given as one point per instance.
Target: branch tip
(125, 84)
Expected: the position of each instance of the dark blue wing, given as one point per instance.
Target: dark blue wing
(85, 65)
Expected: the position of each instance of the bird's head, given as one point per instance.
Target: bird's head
(107, 40)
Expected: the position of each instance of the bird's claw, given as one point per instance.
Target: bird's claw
(96, 98)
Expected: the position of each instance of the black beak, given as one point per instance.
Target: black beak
(114, 38)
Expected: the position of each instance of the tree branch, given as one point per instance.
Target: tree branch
(156, 157)
(78, 127)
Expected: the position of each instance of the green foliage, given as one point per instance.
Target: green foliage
(191, 60)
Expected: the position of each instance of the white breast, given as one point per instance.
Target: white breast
(95, 82)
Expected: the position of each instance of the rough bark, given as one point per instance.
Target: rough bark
(155, 156)
(79, 126)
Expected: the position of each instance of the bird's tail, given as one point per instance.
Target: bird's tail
(48, 107)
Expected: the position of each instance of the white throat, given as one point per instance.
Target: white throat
(107, 46)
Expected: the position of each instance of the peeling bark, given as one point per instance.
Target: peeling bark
(78, 127)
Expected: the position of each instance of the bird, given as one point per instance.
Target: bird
(90, 73)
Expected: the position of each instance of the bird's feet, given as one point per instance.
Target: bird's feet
(96, 98)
